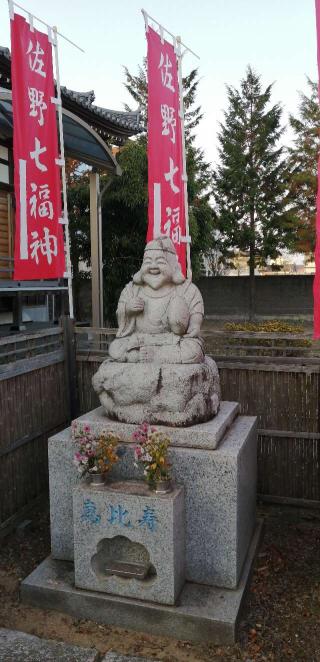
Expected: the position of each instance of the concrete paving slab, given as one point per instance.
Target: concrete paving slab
(203, 613)
(117, 657)
(16, 646)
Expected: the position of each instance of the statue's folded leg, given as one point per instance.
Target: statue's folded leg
(186, 350)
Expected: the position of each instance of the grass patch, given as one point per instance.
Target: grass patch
(268, 326)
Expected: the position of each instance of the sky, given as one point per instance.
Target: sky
(276, 37)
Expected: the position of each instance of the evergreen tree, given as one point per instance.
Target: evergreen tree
(303, 161)
(124, 214)
(79, 224)
(249, 184)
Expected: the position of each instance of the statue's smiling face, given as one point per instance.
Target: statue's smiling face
(156, 271)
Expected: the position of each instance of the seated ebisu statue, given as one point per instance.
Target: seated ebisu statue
(159, 312)
(156, 370)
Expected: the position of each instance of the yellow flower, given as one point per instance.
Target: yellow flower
(153, 466)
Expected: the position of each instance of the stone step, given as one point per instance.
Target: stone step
(16, 646)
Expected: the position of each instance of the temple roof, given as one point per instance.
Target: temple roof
(112, 125)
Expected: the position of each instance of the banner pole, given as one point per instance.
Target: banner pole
(184, 159)
(13, 4)
(65, 221)
(146, 16)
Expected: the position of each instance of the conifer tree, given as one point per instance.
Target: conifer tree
(303, 160)
(249, 184)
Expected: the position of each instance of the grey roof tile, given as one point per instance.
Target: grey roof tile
(131, 121)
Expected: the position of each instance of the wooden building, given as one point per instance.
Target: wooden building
(89, 134)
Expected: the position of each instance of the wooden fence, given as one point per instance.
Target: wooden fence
(45, 380)
(273, 376)
(34, 403)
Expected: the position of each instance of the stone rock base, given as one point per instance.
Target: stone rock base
(172, 394)
(204, 613)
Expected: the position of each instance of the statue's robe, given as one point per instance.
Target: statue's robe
(171, 322)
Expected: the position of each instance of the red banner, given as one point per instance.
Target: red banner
(39, 245)
(316, 282)
(165, 159)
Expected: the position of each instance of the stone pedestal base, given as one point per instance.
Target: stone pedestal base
(169, 394)
(128, 541)
(203, 614)
(220, 493)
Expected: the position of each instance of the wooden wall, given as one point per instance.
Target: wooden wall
(34, 404)
(286, 399)
(5, 234)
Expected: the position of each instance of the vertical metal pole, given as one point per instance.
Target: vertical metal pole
(63, 173)
(96, 245)
(184, 176)
(99, 210)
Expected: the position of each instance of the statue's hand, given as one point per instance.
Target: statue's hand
(135, 306)
(193, 333)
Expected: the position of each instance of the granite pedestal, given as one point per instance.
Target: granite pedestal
(220, 490)
(129, 541)
(216, 464)
(203, 613)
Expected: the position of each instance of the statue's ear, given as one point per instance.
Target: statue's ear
(137, 279)
(178, 277)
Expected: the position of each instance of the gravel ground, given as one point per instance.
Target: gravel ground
(281, 617)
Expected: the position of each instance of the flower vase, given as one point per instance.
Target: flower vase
(97, 479)
(163, 486)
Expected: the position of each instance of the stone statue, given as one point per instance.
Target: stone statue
(159, 312)
(157, 370)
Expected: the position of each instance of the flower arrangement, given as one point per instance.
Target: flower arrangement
(152, 452)
(94, 455)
